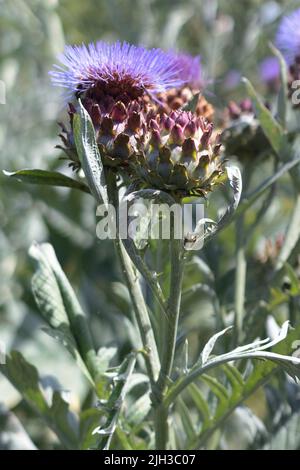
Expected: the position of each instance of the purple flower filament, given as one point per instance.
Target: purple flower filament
(116, 69)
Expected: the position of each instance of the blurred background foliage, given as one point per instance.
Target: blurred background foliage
(232, 38)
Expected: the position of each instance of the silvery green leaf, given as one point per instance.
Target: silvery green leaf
(24, 376)
(291, 237)
(194, 240)
(287, 437)
(272, 129)
(60, 306)
(106, 431)
(43, 177)
(115, 401)
(89, 155)
(282, 95)
(105, 355)
(12, 434)
(211, 343)
(46, 290)
(186, 420)
(235, 181)
(265, 343)
(139, 409)
(62, 335)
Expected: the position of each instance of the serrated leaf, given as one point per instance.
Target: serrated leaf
(115, 402)
(43, 177)
(25, 378)
(239, 388)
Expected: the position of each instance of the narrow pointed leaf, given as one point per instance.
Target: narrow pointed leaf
(272, 129)
(43, 177)
(87, 148)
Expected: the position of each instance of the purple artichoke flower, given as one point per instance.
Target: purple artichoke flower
(189, 68)
(116, 70)
(288, 37)
(269, 69)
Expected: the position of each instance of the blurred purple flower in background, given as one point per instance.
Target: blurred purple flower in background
(288, 36)
(189, 68)
(118, 68)
(232, 79)
(269, 69)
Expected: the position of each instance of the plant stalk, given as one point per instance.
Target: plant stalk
(240, 278)
(135, 292)
(241, 264)
(170, 336)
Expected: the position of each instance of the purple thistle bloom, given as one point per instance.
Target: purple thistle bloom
(232, 79)
(116, 69)
(189, 67)
(269, 69)
(288, 36)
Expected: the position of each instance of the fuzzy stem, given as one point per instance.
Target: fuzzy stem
(138, 302)
(241, 263)
(170, 336)
(240, 278)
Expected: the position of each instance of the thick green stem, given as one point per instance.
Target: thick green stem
(141, 313)
(161, 426)
(171, 323)
(241, 264)
(240, 278)
(135, 292)
(170, 336)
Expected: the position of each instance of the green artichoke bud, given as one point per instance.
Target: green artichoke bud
(118, 127)
(243, 135)
(179, 153)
